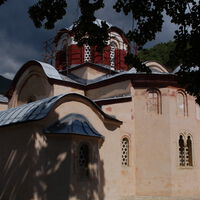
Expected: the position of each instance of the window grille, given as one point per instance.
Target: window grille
(83, 156)
(185, 151)
(113, 46)
(181, 151)
(125, 152)
(87, 55)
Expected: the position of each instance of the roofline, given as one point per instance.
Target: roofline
(92, 65)
(138, 80)
(107, 119)
(17, 76)
(112, 28)
(76, 97)
(113, 100)
(22, 70)
(120, 32)
(159, 65)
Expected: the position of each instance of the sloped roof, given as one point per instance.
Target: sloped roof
(65, 77)
(38, 110)
(192, 69)
(73, 124)
(48, 69)
(28, 112)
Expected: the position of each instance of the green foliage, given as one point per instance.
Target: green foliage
(162, 53)
(141, 67)
(47, 12)
(86, 31)
(2, 1)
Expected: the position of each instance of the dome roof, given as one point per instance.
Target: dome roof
(97, 22)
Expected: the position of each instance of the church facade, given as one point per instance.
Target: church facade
(88, 128)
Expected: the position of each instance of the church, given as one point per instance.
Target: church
(88, 128)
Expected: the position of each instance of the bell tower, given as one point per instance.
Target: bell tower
(68, 53)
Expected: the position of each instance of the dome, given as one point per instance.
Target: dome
(68, 53)
(97, 22)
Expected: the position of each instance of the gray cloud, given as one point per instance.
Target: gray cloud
(20, 41)
(13, 54)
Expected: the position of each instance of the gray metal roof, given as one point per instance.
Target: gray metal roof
(73, 124)
(192, 69)
(49, 70)
(39, 109)
(28, 112)
(3, 99)
(114, 73)
(102, 66)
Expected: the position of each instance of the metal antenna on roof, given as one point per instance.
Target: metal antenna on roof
(49, 51)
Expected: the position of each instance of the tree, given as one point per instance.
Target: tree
(148, 17)
(161, 53)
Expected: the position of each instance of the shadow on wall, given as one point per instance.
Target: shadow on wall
(16, 163)
(35, 167)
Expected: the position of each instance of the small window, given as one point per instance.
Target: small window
(125, 152)
(87, 54)
(113, 46)
(84, 160)
(185, 151)
(181, 151)
(154, 101)
(181, 103)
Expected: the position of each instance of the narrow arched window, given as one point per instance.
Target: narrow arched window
(83, 160)
(182, 103)
(125, 152)
(87, 53)
(181, 151)
(113, 47)
(189, 151)
(185, 151)
(154, 101)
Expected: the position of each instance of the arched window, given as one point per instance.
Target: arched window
(185, 151)
(189, 151)
(125, 152)
(181, 151)
(87, 53)
(113, 46)
(197, 111)
(181, 103)
(154, 101)
(83, 160)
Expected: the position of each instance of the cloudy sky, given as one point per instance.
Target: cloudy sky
(20, 41)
